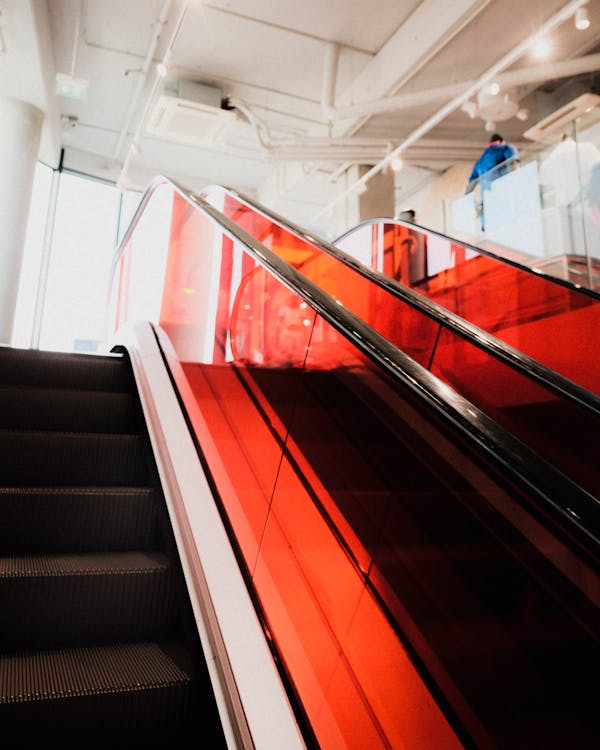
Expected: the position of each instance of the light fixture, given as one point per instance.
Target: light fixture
(582, 19)
(165, 65)
(494, 88)
(397, 164)
(541, 49)
(470, 108)
(490, 126)
(163, 68)
(522, 114)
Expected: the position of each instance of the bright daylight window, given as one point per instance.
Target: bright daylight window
(88, 213)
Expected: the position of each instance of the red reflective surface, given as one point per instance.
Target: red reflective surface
(553, 323)
(547, 321)
(406, 605)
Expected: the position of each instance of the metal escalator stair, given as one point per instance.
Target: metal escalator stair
(97, 637)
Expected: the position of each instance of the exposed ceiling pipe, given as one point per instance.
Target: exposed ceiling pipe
(330, 68)
(76, 40)
(262, 131)
(150, 99)
(533, 74)
(491, 73)
(142, 75)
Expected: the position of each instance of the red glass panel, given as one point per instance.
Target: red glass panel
(401, 604)
(553, 323)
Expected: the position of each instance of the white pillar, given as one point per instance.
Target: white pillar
(375, 201)
(21, 127)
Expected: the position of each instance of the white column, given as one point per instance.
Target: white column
(21, 127)
(374, 201)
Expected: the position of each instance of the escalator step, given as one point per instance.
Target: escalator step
(68, 410)
(67, 458)
(77, 519)
(99, 691)
(60, 600)
(31, 367)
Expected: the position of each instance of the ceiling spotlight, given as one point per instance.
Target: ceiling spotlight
(522, 114)
(582, 19)
(397, 164)
(490, 126)
(470, 108)
(541, 49)
(494, 88)
(163, 68)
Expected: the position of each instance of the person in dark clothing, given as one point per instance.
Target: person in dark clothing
(497, 152)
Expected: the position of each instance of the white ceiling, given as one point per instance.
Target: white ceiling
(291, 70)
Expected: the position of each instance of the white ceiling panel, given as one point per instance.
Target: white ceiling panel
(362, 24)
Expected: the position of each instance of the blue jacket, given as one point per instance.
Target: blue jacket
(494, 154)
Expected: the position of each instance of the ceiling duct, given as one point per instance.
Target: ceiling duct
(550, 129)
(190, 113)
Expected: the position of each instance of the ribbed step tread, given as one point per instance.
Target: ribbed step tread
(65, 410)
(51, 674)
(31, 367)
(61, 600)
(68, 458)
(120, 563)
(124, 695)
(32, 519)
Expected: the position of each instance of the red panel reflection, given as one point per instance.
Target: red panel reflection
(550, 322)
(362, 540)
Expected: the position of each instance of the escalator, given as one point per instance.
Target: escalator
(424, 574)
(98, 642)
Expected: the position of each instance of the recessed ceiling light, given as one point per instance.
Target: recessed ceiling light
(397, 164)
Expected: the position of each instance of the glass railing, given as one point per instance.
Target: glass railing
(405, 552)
(549, 320)
(497, 378)
(546, 213)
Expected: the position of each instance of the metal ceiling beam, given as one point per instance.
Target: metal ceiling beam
(429, 28)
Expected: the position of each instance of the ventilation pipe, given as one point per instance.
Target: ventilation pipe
(142, 75)
(157, 80)
(330, 67)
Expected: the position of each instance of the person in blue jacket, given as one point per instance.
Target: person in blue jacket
(496, 153)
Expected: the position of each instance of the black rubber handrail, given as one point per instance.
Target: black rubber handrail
(331, 247)
(560, 497)
(532, 368)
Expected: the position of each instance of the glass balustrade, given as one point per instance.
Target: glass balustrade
(552, 323)
(403, 605)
